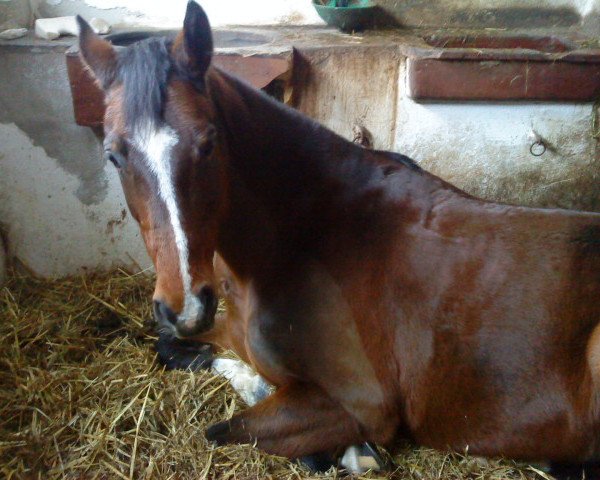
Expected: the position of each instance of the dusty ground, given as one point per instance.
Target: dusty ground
(81, 396)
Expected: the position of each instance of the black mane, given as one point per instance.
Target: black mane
(144, 69)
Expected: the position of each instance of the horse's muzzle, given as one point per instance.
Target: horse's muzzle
(202, 321)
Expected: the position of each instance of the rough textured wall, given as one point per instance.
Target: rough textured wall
(344, 87)
(60, 203)
(36, 98)
(15, 13)
(485, 150)
(495, 13)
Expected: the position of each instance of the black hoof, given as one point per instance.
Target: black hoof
(218, 433)
(318, 462)
(569, 471)
(177, 354)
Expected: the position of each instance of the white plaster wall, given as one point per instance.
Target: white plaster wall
(49, 229)
(167, 13)
(257, 12)
(485, 149)
(61, 203)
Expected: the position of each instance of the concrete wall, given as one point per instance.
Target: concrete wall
(485, 150)
(60, 203)
(495, 13)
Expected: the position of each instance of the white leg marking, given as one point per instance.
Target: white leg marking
(157, 145)
(245, 381)
(358, 459)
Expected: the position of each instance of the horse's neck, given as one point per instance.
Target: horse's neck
(263, 134)
(284, 171)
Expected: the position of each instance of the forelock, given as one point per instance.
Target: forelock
(144, 69)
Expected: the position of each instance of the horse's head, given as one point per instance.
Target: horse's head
(160, 135)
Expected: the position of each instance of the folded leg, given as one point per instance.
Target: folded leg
(297, 420)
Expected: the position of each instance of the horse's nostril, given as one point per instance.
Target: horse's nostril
(163, 313)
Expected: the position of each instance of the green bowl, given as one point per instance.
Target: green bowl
(358, 15)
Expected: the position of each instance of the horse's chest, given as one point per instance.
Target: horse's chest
(268, 350)
(304, 329)
(258, 334)
(311, 335)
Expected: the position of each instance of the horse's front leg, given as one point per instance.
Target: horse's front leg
(297, 420)
(252, 388)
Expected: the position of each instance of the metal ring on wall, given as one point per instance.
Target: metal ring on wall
(537, 152)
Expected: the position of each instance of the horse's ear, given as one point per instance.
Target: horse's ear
(197, 42)
(98, 54)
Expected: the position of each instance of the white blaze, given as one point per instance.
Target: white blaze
(157, 145)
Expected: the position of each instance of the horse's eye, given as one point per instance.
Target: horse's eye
(116, 158)
(207, 143)
(206, 148)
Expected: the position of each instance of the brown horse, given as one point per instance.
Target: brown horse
(380, 300)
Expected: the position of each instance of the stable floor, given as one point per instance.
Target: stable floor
(81, 396)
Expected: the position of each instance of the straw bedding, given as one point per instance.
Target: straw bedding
(81, 396)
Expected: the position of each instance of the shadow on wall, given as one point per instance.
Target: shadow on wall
(384, 19)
